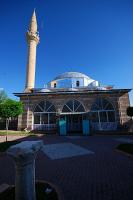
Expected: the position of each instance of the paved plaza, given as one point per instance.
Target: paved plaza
(83, 168)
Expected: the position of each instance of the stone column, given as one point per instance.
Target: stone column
(24, 155)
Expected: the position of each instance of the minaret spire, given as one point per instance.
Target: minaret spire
(32, 40)
(33, 23)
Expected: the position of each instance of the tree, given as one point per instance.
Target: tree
(130, 111)
(3, 96)
(8, 109)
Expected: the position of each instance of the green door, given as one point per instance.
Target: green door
(62, 127)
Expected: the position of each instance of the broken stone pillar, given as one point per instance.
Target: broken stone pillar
(24, 155)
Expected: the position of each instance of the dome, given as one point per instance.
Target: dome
(44, 90)
(71, 75)
(71, 80)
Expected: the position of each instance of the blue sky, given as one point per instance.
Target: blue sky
(94, 37)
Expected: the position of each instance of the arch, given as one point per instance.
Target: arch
(102, 104)
(73, 106)
(44, 106)
(103, 116)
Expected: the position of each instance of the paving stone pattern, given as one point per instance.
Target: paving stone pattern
(64, 150)
(104, 175)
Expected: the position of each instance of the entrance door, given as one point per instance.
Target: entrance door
(74, 123)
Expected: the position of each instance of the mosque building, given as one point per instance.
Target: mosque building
(70, 103)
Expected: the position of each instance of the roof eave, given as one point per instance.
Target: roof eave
(73, 92)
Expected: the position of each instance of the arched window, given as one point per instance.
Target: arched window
(73, 106)
(45, 106)
(102, 110)
(44, 116)
(102, 104)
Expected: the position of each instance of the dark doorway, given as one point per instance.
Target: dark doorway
(74, 123)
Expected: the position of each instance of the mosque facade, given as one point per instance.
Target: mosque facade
(71, 103)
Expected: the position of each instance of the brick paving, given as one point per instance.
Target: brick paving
(104, 175)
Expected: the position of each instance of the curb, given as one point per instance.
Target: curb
(124, 153)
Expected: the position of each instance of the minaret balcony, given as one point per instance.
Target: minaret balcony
(32, 36)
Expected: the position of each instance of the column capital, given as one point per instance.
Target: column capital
(25, 149)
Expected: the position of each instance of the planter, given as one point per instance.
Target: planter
(44, 191)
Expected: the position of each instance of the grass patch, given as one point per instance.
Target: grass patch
(3, 132)
(5, 145)
(128, 148)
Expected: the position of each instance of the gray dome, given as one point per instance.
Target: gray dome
(44, 90)
(71, 75)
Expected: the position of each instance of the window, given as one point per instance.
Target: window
(73, 106)
(77, 83)
(45, 113)
(44, 118)
(45, 106)
(52, 118)
(111, 116)
(37, 119)
(102, 111)
(102, 104)
(54, 85)
(103, 117)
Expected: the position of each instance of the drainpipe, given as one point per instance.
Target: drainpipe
(28, 112)
(119, 103)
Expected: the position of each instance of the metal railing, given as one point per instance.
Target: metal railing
(46, 127)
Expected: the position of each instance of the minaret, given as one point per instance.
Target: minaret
(32, 40)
